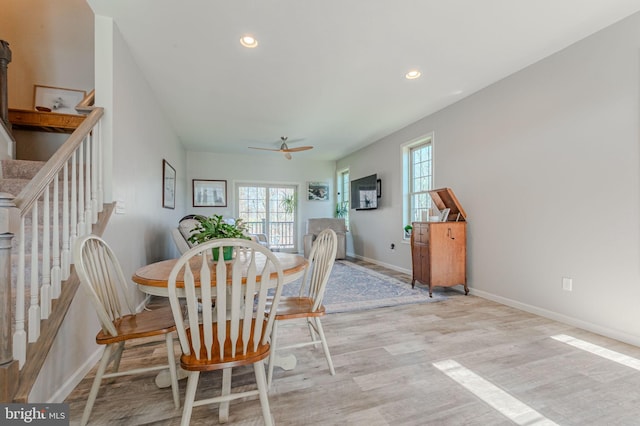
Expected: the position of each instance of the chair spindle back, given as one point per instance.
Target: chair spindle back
(321, 260)
(102, 278)
(228, 295)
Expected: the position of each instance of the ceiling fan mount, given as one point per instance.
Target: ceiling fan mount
(284, 148)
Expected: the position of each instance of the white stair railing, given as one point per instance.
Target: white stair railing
(55, 225)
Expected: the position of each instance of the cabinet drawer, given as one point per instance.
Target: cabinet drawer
(420, 232)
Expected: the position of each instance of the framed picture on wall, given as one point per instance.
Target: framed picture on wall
(168, 185)
(209, 193)
(57, 99)
(318, 191)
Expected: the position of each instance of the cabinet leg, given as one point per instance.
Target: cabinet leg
(413, 283)
(430, 294)
(466, 290)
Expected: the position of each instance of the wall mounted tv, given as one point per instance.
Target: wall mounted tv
(364, 193)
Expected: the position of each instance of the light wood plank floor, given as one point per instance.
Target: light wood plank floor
(385, 374)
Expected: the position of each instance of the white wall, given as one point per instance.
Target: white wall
(136, 139)
(51, 45)
(141, 138)
(546, 165)
(262, 169)
(373, 231)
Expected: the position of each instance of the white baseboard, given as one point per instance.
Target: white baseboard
(70, 384)
(594, 328)
(386, 265)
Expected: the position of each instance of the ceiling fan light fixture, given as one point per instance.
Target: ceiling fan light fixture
(412, 74)
(284, 148)
(248, 41)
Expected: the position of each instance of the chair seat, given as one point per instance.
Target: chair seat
(144, 324)
(297, 307)
(105, 286)
(321, 259)
(191, 363)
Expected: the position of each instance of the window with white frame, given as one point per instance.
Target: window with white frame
(342, 206)
(417, 167)
(271, 210)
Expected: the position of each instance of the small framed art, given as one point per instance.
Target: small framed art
(318, 191)
(57, 99)
(209, 193)
(168, 185)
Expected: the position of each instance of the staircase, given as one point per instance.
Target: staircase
(44, 207)
(16, 174)
(61, 199)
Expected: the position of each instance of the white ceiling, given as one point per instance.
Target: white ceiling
(330, 73)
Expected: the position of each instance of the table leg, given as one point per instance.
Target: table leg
(163, 379)
(286, 361)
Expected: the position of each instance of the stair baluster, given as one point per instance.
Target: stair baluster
(45, 287)
(66, 250)
(44, 258)
(20, 335)
(55, 244)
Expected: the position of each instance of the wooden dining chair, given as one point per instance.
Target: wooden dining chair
(103, 281)
(229, 328)
(308, 303)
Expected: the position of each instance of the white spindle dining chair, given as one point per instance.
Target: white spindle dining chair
(308, 304)
(102, 279)
(229, 328)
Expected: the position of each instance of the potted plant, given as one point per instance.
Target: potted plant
(215, 227)
(288, 203)
(342, 208)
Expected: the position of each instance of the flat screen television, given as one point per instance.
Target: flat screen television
(364, 193)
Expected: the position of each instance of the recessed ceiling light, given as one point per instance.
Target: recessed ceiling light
(413, 74)
(248, 41)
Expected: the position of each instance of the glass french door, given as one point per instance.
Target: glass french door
(271, 210)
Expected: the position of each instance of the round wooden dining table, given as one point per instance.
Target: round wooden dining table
(153, 279)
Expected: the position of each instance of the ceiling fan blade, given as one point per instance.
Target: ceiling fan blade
(284, 148)
(299, 148)
(265, 149)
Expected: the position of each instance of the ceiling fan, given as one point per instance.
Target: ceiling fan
(284, 148)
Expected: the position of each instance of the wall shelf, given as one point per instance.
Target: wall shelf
(23, 119)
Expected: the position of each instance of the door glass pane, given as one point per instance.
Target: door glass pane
(282, 208)
(270, 210)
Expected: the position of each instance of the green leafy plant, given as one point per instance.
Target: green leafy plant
(214, 227)
(342, 209)
(288, 203)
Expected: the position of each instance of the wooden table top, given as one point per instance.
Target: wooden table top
(157, 274)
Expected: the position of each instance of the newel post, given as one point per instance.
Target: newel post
(5, 58)
(8, 365)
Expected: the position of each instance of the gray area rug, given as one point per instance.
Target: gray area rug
(352, 287)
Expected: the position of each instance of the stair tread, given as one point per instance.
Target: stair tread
(24, 169)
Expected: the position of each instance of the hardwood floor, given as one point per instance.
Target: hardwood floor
(462, 361)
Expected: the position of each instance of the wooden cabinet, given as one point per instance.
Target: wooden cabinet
(439, 249)
(439, 256)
